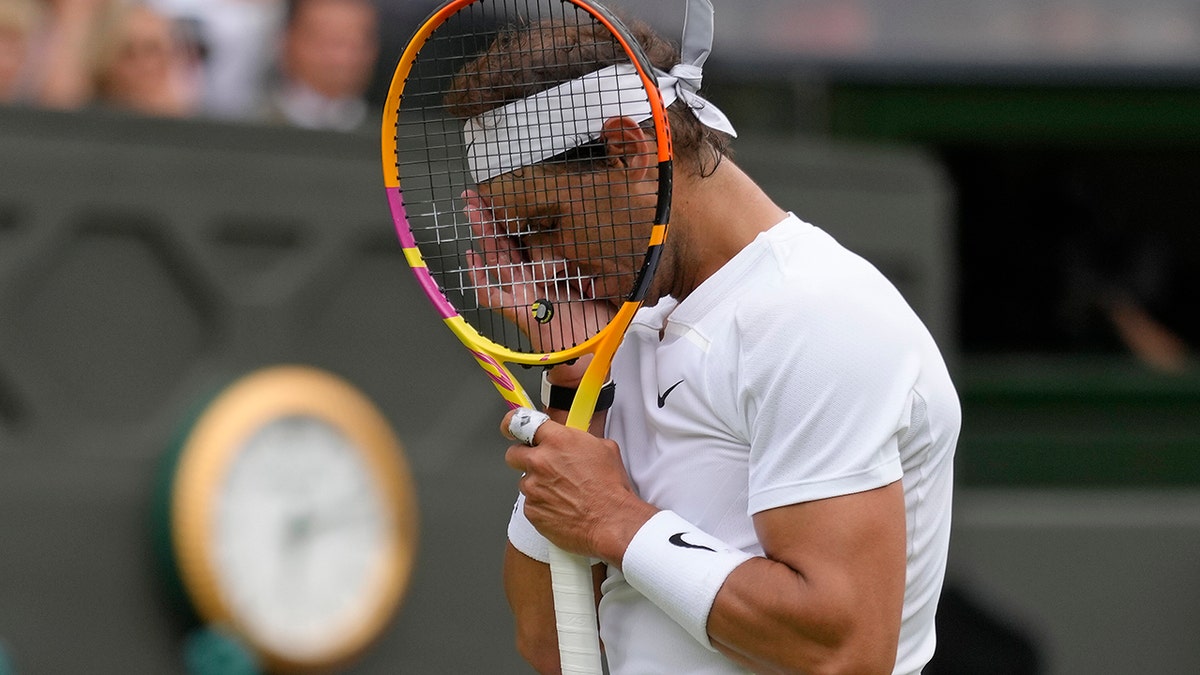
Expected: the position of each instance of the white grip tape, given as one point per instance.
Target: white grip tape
(525, 423)
(575, 613)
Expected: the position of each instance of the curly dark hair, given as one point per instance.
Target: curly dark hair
(525, 60)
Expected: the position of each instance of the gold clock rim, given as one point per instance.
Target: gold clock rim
(208, 452)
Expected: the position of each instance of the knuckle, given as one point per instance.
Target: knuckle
(534, 462)
(514, 457)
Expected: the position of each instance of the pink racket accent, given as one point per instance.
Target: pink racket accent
(496, 372)
(444, 308)
(404, 233)
(400, 218)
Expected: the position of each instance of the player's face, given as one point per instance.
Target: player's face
(598, 221)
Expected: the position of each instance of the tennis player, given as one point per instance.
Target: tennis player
(771, 486)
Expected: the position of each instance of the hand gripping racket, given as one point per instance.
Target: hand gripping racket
(527, 161)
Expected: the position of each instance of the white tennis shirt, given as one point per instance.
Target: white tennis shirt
(796, 372)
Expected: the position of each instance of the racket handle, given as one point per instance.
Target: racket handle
(575, 613)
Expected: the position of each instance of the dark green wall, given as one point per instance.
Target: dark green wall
(144, 264)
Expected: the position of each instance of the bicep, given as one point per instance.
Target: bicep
(829, 590)
(856, 540)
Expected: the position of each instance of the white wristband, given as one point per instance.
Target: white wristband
(524, 536)
(680, 568)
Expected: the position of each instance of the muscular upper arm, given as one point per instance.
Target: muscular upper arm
(829, 592)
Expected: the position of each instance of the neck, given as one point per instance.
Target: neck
(713, 218)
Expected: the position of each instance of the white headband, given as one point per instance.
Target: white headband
(572, 114)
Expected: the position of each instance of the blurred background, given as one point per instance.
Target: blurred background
(190, 190)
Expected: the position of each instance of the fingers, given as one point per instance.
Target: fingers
(501, 275)
(523, 424)
(492, 265)
(487, 293)
(507, 278)
(526, 427)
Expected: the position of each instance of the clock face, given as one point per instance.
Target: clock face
(292, 517)
(300, 534)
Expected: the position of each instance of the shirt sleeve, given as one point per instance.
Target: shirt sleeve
(825, 390)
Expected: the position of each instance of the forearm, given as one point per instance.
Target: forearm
(527, 588)
(771, 619)
(826, 597)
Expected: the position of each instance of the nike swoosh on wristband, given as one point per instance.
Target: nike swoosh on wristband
(677, 539)
(662, 398)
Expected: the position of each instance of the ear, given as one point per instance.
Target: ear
(627, 145)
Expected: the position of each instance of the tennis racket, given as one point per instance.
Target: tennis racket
(529, 219)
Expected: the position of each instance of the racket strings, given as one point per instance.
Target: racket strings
(435, 176)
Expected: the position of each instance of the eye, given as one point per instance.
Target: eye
(543, 224)
(539, 232)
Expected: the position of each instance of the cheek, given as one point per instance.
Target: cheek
(575, 241)
(604, 230)
(609, 255)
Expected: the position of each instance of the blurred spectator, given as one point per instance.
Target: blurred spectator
(1103, 245)
(327, 61)
(1124, 279)
(19, 24)
(142, 66)
(238, 39)
(65, 68)
(119, 55)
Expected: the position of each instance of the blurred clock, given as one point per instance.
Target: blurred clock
(292, 518)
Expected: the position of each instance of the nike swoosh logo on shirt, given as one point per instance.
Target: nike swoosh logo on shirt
(662, 398)
(677, 539)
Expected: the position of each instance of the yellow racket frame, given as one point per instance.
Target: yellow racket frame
(574, 599)
(490, 355)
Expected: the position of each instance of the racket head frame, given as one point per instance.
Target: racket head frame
(491, 355)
